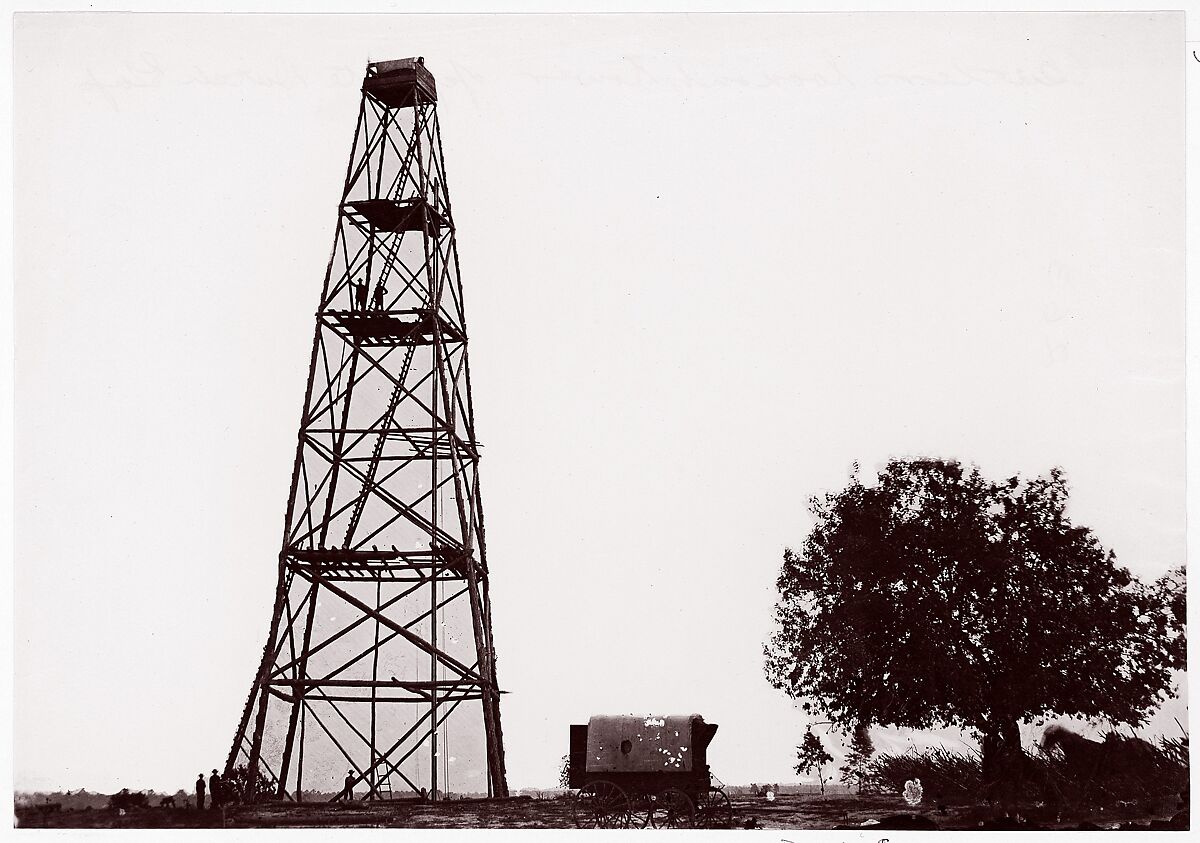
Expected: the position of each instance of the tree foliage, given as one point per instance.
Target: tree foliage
(1170, 592)
(937, 597)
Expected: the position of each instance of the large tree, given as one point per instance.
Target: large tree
(939, 598)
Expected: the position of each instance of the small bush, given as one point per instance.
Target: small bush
(125, 800)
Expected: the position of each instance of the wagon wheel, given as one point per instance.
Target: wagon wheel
(713, 809)
(641, 810)
(601, 804)
(673, 809)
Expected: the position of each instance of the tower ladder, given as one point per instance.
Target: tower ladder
(373, 466)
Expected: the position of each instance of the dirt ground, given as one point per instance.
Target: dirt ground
(786, 812)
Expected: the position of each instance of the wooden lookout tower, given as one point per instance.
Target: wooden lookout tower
(379, 668)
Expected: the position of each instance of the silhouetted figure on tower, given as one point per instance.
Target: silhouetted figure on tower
(200, 792)
(380, 292)
(360, 294)
(349, 791)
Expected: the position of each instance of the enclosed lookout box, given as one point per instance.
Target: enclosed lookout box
(401, 83)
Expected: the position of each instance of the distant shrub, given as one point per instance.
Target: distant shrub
(125, 800)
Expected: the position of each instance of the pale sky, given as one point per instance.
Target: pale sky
(709, 262)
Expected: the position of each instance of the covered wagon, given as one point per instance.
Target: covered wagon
(645, 771)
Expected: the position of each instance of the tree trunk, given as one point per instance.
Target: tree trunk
(1002, 760)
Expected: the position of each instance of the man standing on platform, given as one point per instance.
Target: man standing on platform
(200, 792)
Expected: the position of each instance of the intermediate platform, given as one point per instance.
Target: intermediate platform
(345, 565)
(400, 83)
(397, 215)
(393, 327)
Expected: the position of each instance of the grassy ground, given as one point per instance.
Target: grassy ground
(786, 812)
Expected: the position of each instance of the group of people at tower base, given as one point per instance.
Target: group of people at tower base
(220, 792)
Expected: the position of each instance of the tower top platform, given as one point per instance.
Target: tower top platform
(397, 83)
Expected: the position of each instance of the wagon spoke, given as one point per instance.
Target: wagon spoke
(601, 804)
(673, 809)
(713, 809)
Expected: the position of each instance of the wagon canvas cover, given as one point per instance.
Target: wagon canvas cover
(633, 744)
